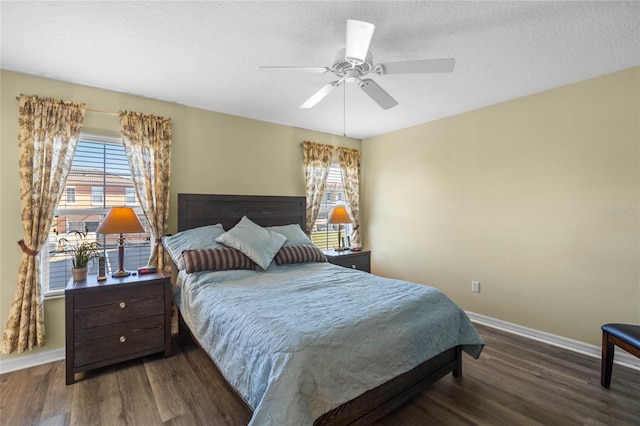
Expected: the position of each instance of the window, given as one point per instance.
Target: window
(97, 195)
(71, 194)
(130, 196)
(325, 235)
(100, 178)
(75, 225)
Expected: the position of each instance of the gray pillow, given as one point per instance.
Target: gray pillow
(295, 235)
(259, 244)
(192, 239)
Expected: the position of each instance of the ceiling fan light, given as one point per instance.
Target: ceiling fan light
(359, 35)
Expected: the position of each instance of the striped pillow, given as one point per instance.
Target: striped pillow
(215, 259)
(299, 254)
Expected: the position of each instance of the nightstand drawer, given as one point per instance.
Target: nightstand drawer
(120, 341)
(88, 334)
(118, 305)
(353, 260)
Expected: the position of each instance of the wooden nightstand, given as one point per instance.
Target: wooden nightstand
(116, 320)
(360, 260)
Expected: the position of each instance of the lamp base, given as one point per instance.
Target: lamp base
(121, 273)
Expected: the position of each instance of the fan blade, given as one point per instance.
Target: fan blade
(320, 94)
(319, 70)
(377, 93)
(420, 66)
(359, 36)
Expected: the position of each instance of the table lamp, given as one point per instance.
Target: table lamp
(339, 215)
(120, 220)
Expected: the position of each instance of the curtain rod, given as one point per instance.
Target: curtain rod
(99, 111)
(117, 114)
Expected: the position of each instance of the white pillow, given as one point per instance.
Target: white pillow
(295, 235)
(192, 239)
(259, 244)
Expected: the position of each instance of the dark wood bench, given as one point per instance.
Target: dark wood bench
(626, 336)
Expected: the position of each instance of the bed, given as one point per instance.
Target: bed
(298, 342)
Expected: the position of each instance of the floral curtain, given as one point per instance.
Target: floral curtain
(317, 161)
(350, 166)
(47, 140)
(147, 143)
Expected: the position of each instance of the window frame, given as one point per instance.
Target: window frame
(93, 196)
(90, 209)
(333, 197)
(67, 188)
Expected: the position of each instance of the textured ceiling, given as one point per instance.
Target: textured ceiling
(206, 54)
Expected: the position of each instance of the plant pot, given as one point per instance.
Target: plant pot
(79, 274)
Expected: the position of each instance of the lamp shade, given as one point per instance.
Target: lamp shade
(120, 220)
(339, 214)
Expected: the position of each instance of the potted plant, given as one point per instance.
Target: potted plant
(81, 251)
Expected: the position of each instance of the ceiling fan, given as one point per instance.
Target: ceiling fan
(354, 62)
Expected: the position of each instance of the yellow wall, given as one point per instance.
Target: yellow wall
(536, 198)
(211, 153)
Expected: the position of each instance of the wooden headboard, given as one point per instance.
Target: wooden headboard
(196, 210)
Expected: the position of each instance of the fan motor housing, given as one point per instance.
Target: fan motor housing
(340, 65)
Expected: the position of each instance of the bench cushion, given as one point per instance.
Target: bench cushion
(626, 332)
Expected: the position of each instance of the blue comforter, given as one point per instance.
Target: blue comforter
(297, 341)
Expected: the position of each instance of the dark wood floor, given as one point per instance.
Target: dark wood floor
(516, 381)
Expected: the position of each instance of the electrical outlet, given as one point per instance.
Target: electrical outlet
(475, 286)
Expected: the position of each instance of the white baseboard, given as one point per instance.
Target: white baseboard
(621, 357)
(32, 360)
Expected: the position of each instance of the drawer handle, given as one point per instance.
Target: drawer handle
(123, 305)
(123, 339)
